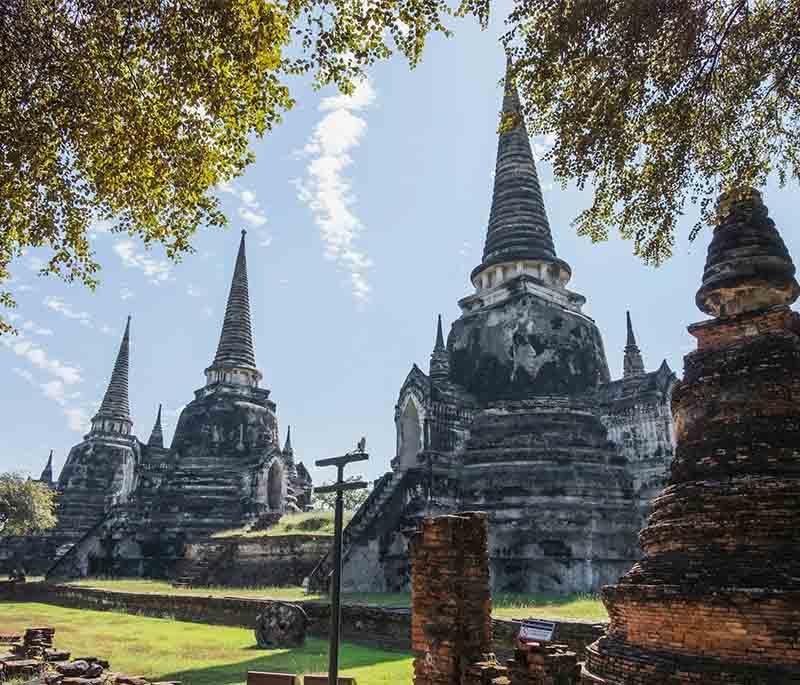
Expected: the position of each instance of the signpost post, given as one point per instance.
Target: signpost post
(339, 487)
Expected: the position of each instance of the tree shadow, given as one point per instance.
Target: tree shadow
(312, 658)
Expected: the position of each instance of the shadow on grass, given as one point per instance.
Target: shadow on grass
(312, 658)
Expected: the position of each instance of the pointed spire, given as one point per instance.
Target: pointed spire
(47, 473)
(157, 436)
(518, 226)
(287, 447)
(236, 340)
(632, 364)
(439, 337)
(440, 358)
(114, 415)
(631, 342)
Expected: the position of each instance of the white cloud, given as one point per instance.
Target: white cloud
(57, 304)
(253, 217)
(38, 357)
(191, 291)
(226, 187)
(102, 226)
(156, 271)
(265, 240)
(249, 198)
(328, 192)
(251, 210)
(77, 418)
(55, 389)
(126, 294)
(207, 311)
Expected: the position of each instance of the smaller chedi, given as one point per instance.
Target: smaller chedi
(716, 598)
(128, 507)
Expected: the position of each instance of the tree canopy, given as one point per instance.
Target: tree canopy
(658, 102)
(133, 110)
(26, 506)
(353, 499)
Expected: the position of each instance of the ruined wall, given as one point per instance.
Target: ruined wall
(523, 347)
(558, 495)
(637, 415)
(280, 560)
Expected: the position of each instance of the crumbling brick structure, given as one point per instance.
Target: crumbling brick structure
(451, 627)
(716, 598)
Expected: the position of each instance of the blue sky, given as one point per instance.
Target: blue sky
(364, 218)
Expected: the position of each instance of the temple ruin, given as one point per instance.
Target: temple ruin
(518, 417)
(126, 507)
(716, 598)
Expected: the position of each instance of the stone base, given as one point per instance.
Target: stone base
(613, 662)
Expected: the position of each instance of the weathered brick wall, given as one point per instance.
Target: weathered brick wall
(451, 603)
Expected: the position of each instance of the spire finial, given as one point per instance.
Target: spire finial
(157, 436)
(439, 336)
(518, 226)
(287, 447)
(631, 342)
(47, 472)
(632, 364)
(440, 358)
(235, 348)
(114, 415)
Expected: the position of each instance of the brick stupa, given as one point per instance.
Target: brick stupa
(716, 598)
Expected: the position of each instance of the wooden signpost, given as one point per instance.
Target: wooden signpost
(339, 487)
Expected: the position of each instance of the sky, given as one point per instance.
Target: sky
(365, 216)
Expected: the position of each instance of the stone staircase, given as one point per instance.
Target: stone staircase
(366, 514)
(198, 572)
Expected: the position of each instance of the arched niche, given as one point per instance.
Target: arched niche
(409, 433)
(275, 486)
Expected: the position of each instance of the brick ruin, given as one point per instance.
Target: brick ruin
(451, 626)
(33, 657)
(518, 416)
(129, 508)
(716, 598)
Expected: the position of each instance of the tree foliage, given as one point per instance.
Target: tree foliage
(353, 499)
(660, 102)
(26, 506)
(132, 110)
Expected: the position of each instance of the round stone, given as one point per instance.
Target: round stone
(281, 624)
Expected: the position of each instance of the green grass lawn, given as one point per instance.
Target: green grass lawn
(506, 605)
(306, 523)
(193, 653)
